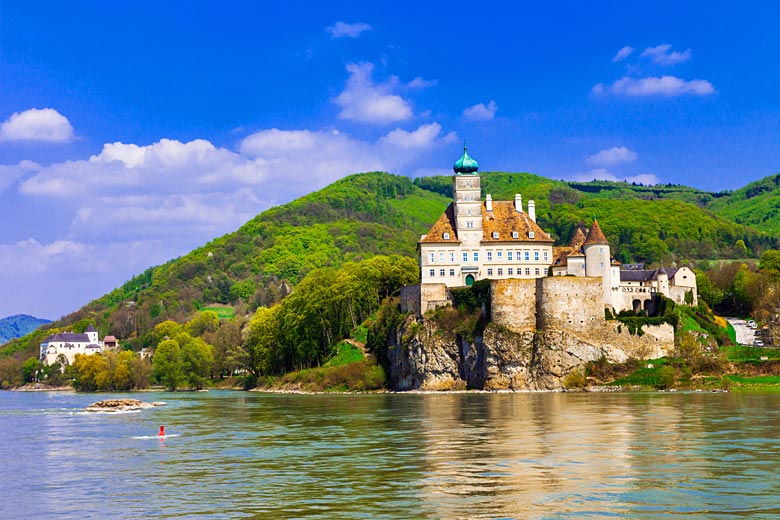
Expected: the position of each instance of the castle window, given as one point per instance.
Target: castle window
(431, 257)
(432, 272)
(476, 256)
(452, 272)
(509, 256)
(441, 272)
(495, 234)
(510, 271)
(499, 255)
(515, 234)
(500, 271)
(536, 271)
(536, 256)
(441, 257)
(452, 257)
(527, 271)
(465, 256)
(470, 224)
(545, 256)
(518, 255)
(490, 256)
(490, 272)
(446, 236)
(527, 256)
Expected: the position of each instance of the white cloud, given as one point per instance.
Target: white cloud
(347, 30)
(664, 55)
(612, 156)
(481, 112)
(368, 102)
(669, 86)
(419, 82)
(43, 125)
(603, 174)
(623, 53)
(421, 138)
(10, 174)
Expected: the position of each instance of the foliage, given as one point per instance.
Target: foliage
(472, 298)
(356, 377)
(345, 353)
(109, 371)
(325, 307)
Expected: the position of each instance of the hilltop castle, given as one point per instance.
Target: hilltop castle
(477, 239)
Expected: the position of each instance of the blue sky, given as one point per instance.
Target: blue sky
(132, 133)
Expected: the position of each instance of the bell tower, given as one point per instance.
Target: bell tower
(467, 195)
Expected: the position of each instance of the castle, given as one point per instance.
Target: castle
(63, 347)
(477, 239)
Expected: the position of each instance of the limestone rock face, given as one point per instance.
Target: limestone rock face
(423, 357)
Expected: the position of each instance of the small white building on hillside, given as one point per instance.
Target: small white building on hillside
(63, 346)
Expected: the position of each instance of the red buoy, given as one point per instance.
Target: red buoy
(162, 431)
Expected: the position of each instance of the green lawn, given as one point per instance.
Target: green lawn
(224, 313)
(740, 354)
(346, 353)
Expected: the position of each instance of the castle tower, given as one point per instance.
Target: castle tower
(597, 258)
(663, 281)
(91, 334)
(467, 195)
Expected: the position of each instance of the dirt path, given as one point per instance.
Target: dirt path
(745, 335)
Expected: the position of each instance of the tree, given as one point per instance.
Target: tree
(168, 365)
(30, 369)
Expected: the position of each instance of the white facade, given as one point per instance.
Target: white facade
(64, 346)
(474, 240)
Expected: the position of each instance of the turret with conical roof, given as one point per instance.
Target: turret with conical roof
(465, 164)
(595, 235)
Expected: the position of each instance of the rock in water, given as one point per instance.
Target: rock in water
(121, 405)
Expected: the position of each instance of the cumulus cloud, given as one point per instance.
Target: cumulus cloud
(419, 82)
(603, 174)
(42, 125)
(422, 138)
(623, 53)
(612, 156)
(481, 112)
(668, 86)
(10, 174)
(347, 30)
(664, 55)
(368, 102)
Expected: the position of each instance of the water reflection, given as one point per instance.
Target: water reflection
(242, 455)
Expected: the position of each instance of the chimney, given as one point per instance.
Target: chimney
(532, 210)
(518, 203)
(488, 202)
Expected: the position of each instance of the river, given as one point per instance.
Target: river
(251, 455)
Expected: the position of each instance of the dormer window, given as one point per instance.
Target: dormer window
(495, 234)
(530, 234)
(446, 236)
(515, 234)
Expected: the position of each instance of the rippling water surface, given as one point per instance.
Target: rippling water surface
(247, 455)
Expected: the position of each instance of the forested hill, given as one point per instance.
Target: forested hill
(378, 213)
(19, 325)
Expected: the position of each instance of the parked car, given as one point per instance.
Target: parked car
(752, 324)
(758, 343)
(758, 333)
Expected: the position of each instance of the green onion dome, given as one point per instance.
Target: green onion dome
(465, 164)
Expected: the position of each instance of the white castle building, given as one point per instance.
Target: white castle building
(63, 346)
(477, 239)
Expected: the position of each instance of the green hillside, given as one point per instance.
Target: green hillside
(368, 214)
(757, 205)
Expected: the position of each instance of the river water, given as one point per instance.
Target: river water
(249, 455)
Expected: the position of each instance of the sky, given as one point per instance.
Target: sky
(134, 132)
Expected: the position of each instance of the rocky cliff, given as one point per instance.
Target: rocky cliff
(426, 356)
